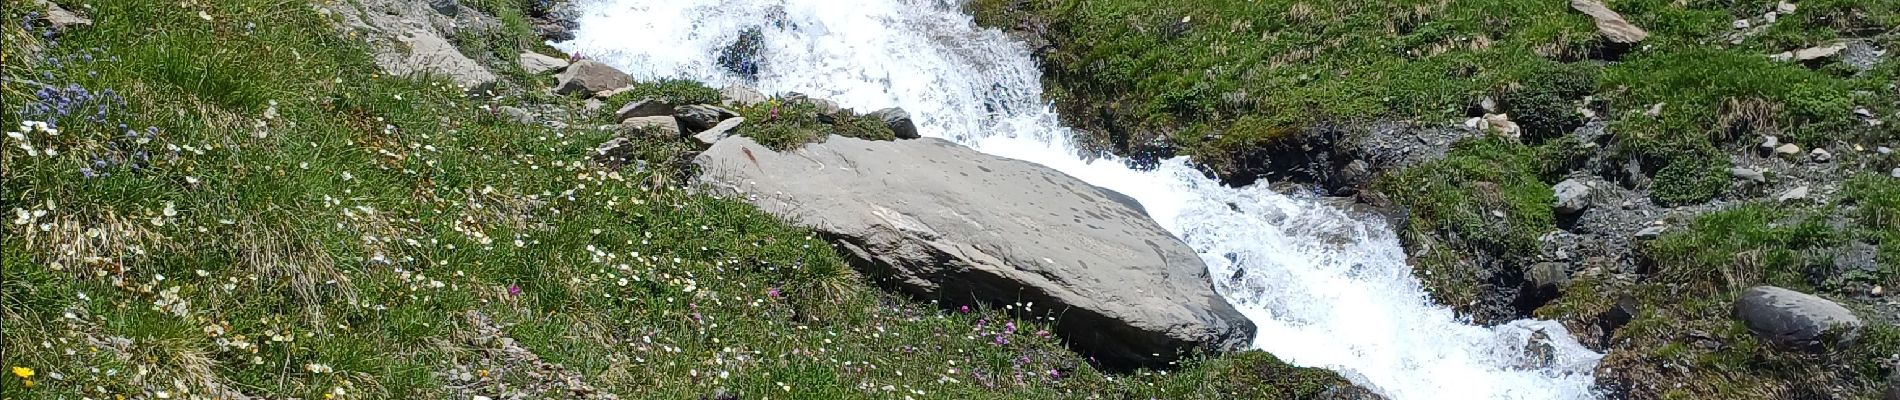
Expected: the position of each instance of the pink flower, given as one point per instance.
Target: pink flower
(773, 293)
(963, 309)
(514, 290)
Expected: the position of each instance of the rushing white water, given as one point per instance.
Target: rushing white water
(1326, 289)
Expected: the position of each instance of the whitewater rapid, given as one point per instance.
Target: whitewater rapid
(1326, 289)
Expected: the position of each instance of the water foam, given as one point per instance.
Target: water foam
(1327, 289)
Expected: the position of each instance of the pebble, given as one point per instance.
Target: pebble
(1650, 232)
(1769, 143)
(1788, 149)
(1883, 150)
(1896, 172)
(1747, 174)
(1821, 155)
(1800, 193)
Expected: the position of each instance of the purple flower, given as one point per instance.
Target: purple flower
(1001, 340)
(773, 293)
(87, 172)
(963, 309)
(514, 290)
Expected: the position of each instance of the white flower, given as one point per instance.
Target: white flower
(171, 210)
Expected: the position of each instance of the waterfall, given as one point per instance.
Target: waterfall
(1327, 289)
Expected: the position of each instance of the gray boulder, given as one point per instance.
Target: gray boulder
(60, 18)
(1796, 194)
(1573, 196)
(589, 77)
(899, 122)
(949, 223)
(1794, 319)
(699, 117)
(517, 114)
(537, 63)
(644, 108)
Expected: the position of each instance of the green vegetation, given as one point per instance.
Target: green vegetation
(783, 124)
(229, 198)
(1489, 197)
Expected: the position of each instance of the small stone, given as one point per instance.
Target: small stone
(1655, 110)
(1650, 233)
(1747, 174)
(899, 122)
(661, 127)
(1785, 7)
(1812, 53)
(1789, 149)
(1742, 24)
(699, 117)
(1821, 155)
(1796, 194)
(1610, 24)
(1863, 112)
(589, 76)
(1629, 205)
(517, 114)
(1497, 213)
(1769, 143)
(1896, 172)
(1573, 196)
(537, 63)
(644, 108)
(1883, 150)
(1488, 104)
(60, 17)
(718, 132)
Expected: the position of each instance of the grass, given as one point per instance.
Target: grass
(275, 218)
(1490, 197)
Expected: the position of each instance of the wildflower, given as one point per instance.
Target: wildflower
(514, 290)
(22, 372)
(773, 293)
(963, 309)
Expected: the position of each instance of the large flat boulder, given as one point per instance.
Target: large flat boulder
(946, 222)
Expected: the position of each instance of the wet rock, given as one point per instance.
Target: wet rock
(1748, 174)
(979, 228)
(589, 77)
(1794, 319)
(899, 122)
(1796, 194)
(537, 63)
(741, 57)
(1573, 196)
(644, 108)
(1610, 24)
(699, 117)
(741, 96)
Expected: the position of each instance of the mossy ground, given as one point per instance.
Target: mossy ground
(252, 207)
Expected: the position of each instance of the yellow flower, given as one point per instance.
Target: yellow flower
(22, 372)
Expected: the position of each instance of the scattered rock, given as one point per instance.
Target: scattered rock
(1785, 7)
(614, 153)
(718, 132)
(825, 107)
(1651, 233)
(1883, 150)
(661, 127)
(1893, 385)
(741, 96)
(1862, 55)
(644, 108)
(1812, 53)
(1610, 24)
(1573, 196)
(1742, 24)
(899, 122)
(1748, 174)
(1788, 150)
(979, 228)
(699, 117)
(1820, 155)
(516, 114)
(1794, 319)
(60, 18)
(1796, 194)
(1896, 172)
(1501, 123)
(537, 63)
(589, 76)
(1655, 110)
(1769, 144)
(411, 38)
(1547, 275)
